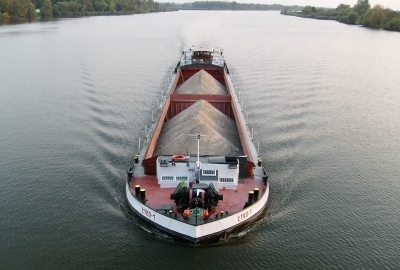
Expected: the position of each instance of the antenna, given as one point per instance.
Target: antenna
(198, 138)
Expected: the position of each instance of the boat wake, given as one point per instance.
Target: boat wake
(145, 227)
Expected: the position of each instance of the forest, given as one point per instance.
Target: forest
(361, 14)
(69, 8)
(224, 5)
(58, 8)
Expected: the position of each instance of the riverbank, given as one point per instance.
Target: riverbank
(20, 11)
(361, 14)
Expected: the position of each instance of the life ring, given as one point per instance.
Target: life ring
(179, 157)
(192, 203)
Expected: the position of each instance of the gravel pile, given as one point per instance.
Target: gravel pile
(222, 137)
(201, 83)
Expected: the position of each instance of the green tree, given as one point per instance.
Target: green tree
(37, 3)
(393, 24)
(313, 10)
(344, 16)
(144, 6)
(361, 7)
(56, 12)
(4, 16)
(101, 6)
(63, 7)
(374, 17)
(390, 14)
(73, 7)
(47, 9)
(307, 10)
(85, 5)
(6, 6)
(112, 6)
(128, 5)
(342, 7)
(285, 10)
(23, 9)
(352, 17)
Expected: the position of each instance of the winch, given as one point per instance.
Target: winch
(198, 196)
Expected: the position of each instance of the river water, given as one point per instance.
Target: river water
(323, 99)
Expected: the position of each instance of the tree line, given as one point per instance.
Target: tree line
(220, 5)
(223, 5)
(67, 8)
(361, 13)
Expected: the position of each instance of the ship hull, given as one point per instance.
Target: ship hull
(204, 233)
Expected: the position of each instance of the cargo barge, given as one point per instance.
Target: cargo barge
(198, 175)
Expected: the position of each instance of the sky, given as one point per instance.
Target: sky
(392, 4)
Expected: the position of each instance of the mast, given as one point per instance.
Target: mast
(198, 138)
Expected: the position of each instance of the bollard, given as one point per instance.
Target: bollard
(137, 190)
(256, 192)
(251, 198)
(142, 194)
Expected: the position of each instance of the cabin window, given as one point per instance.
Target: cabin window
(208, 173)
(163, 163)
(181, 178)
(226, 180)
(167, 178)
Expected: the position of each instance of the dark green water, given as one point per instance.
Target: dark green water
(323, 98)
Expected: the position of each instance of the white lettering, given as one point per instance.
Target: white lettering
(244, 215)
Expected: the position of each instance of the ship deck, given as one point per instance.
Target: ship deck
(233, 201)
